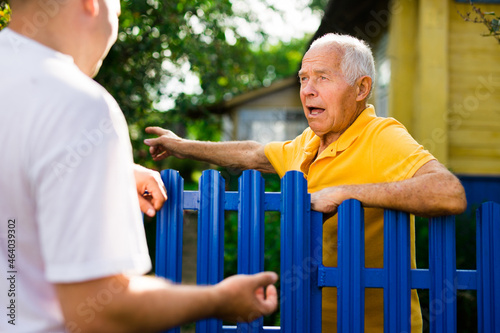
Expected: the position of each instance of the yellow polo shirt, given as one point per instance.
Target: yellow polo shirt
(372, 150)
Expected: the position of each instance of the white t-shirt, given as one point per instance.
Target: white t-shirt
(68, 203)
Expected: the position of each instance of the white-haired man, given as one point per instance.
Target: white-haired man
(347, 152)
(72, 242)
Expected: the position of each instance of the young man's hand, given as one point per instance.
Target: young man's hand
(150, 190)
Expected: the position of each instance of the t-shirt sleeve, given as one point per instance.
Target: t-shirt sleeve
(275, 153)
(395, 154)
(282, 155)
(88, 213)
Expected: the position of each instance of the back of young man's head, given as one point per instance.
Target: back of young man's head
(83, 29)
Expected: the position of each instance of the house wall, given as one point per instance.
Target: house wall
(445, 83)
(474, 98)
(266, 116)
(287, 97)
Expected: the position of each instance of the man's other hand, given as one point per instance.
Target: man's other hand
(150, 190)
(244, 298)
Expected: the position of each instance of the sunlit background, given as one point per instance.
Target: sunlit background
(226, 69)
(281, 21)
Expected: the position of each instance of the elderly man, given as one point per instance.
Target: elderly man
(347, 152)
(72, 242)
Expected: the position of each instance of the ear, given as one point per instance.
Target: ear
(364, 86)
(91, 7)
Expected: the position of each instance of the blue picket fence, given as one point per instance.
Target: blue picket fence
(302, 272)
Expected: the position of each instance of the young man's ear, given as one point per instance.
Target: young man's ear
(364, 86)
(91, 7)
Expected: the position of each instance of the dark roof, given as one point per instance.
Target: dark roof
(357, 18)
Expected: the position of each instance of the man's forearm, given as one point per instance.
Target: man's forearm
(234, 154)
(131, 305)
(433, 191)
(411, 195)
(150, 304)
(241, 155)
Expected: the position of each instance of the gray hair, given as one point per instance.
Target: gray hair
(357, 58)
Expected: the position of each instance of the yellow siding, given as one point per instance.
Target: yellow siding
(474, 95)
(445, 83)
(432, 80)
(418, 50)
(403, 57)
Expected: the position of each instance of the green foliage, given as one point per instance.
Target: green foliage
(319, 5)
(5, 13)
(161, 41)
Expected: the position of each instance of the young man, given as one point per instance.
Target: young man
(71, 237)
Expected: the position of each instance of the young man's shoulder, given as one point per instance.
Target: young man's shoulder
(42, 73)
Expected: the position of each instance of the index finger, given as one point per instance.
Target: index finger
(155, 130)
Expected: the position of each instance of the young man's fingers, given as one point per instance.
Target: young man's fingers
(146, 207)
(264, 279)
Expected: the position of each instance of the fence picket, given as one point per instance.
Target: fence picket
(397, 288)
(210, 260)
(301, 238)
(251, 233)
(488, 267)
(442, 266)
(169, 230)
(351, 257)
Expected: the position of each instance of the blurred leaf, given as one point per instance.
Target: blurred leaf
(495, 24)
(5, 13)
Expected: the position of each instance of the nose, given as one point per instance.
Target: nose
(308, 89)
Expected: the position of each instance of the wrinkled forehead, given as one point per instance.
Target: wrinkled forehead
(327, 49)
(324, 56)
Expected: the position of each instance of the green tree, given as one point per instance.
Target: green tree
(4, 14)
(162, 44)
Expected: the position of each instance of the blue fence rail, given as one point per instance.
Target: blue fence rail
(302, 272)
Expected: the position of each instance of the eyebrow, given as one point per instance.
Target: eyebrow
(317, 71)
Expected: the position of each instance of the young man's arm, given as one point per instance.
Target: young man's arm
(150, 304)
(241, 155)
(432, 191)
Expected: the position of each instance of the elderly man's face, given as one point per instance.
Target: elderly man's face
(329, 102)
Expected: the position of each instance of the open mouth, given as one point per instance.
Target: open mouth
(313, 111)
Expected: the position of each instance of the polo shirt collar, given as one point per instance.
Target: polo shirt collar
(345, 140)
(352, 132)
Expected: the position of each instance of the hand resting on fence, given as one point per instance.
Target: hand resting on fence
(150, 190)
(432, 191)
